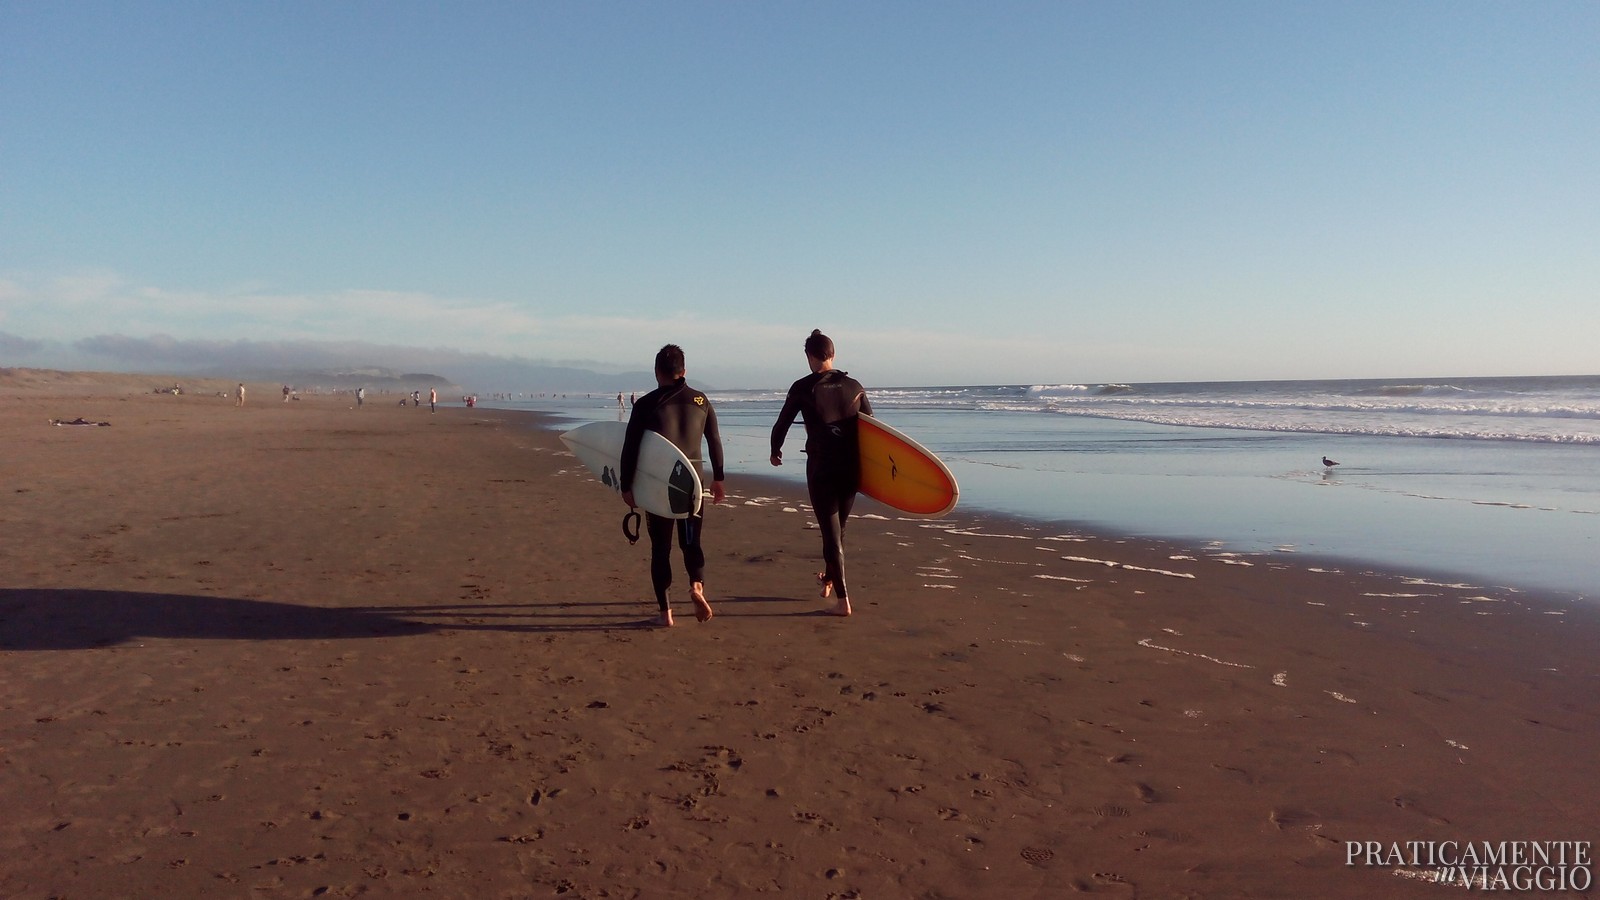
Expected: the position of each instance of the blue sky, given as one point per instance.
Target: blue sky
(957, 192)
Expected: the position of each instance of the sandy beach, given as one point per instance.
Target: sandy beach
(302, 649)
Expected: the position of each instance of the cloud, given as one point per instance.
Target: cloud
(220, 355)
(251, 327)
(14, 345)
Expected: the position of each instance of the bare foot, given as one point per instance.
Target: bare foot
(665, 619)
(702, 609)
(827, 586)
(842, 608)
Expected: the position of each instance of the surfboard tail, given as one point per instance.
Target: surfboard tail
(683, 490)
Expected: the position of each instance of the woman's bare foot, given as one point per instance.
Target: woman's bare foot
(842, 608)
(827, 586)
(665, 619)
(702, 609)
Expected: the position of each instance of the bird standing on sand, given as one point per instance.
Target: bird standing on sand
(1328, 462)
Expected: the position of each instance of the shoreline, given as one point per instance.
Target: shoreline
(299, 649)
(1438, 576)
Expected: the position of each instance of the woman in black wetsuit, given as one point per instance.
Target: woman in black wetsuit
(828, 400)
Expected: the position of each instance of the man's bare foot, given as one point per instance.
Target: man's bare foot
(702, 609)
(842, 608)
(665, 619)
(827, 586)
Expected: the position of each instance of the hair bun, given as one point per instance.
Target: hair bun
(816, 331)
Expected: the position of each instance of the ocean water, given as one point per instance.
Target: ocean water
(1496, 480)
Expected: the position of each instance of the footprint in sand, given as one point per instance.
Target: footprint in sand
(1406, 803)
(540, 795)
(1038, 855)
(1284, 819)
(1235, 772)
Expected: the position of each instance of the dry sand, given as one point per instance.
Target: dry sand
(300, 649)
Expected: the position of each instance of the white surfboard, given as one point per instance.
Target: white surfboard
(666, 482)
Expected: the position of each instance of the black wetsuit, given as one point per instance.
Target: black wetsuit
(683, 416)
(828, 402)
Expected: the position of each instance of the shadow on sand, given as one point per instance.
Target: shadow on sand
(82, 619)
(85, 619)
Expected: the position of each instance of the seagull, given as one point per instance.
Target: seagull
(1328, 462)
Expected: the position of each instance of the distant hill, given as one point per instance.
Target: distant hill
(466, 376)
(334, 365)
(364, 376)
(492, 375)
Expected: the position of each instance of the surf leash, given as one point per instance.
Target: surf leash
(632, 534)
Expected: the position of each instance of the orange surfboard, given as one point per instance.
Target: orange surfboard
(899, 472)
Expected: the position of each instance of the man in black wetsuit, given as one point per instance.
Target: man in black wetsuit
(828, 400)
(683, 416)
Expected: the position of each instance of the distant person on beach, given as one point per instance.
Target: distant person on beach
(828, 400)
(433, 400)
(239, 397)
(361, 396)
(683, 416)
(286, 393)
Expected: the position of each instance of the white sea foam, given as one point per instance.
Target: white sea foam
(1553, 410)
(1116, 565)
(1166, 572)
(1146, 642)
(1423, 582)
(999, 562)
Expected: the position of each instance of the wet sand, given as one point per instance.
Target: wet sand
(300, 649)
